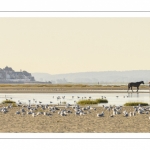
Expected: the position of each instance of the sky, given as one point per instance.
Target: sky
(69, 45)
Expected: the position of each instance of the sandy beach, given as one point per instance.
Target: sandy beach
(89, 123)
(71, 88)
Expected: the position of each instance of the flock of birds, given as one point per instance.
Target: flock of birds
(119, 110)
(48, 110)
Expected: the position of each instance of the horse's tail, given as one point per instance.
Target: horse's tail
(129, 85)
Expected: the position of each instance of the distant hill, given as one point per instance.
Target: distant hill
(8, 75)
(95, 77)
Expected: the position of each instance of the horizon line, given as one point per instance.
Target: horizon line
(92, 71)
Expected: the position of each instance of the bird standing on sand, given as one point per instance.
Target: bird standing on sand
(19, 102)
(126, 114)
(33, 114)
(114, 112)
(100, 115)
(17, 112)
(29, 102)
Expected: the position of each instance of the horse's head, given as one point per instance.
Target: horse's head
(142, 82)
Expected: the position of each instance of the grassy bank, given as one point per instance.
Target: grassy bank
(8, 102)
(5, 102)
(88, 101)
(135, 104)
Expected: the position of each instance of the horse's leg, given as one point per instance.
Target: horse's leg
(128, 89)
(137, 88)
(131, 89)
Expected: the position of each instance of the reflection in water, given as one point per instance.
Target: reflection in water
(132, 94)
(55, 98)
(129, 94)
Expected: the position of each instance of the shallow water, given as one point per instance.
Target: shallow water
(45, 98)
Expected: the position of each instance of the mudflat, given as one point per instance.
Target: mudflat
(73, 88)
(88, 123)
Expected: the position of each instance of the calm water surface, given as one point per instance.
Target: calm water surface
(45, 98)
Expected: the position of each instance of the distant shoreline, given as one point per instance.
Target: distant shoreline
(69, 88)
(70, 91)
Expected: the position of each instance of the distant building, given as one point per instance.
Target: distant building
(9, 75)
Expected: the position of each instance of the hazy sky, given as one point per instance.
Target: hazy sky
(67, 45)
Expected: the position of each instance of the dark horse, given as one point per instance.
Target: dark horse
(134, 84)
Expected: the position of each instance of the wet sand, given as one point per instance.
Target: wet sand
(70, 88)
(89, 123)
(68, 91)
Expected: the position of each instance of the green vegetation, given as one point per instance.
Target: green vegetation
(135, 104)
(88, 101)
(9, 102)
(64, 103)
(116, 86)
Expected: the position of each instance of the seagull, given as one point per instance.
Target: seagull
(139, 111)
(114, 112)
(134, 113)
(19, 102)
(17, 112)
(76, 113)
(33, 114)
(100, 115)
(105, 107)
(126, 114)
